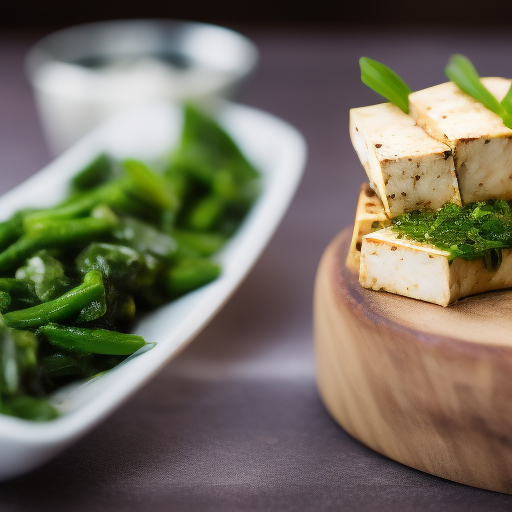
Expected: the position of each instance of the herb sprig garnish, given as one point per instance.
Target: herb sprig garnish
(506, 103)
(461, 72)
(385, 82)
(476, 230)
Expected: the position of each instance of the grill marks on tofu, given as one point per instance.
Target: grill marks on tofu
(480, 142)
(408, 169)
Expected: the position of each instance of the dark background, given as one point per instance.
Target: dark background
(448, 15)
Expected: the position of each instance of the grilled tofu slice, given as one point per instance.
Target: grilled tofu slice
(408, 168)
(422, 271)
(369, 212)
(481, 143)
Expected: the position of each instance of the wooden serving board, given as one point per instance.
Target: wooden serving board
(427, 386)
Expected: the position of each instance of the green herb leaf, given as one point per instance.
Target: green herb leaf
(462, 73)
(506, 102)
(385, 82)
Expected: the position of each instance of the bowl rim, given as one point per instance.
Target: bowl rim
(41, 53)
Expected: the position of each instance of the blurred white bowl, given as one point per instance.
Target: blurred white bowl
(81, 75)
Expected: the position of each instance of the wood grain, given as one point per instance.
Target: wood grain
(430, 387)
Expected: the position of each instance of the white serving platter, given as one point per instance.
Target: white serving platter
(277, 149)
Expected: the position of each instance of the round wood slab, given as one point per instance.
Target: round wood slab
(427, 386)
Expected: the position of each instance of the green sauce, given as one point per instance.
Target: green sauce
(476, 230)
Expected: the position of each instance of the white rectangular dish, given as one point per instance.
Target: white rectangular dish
(275, 148)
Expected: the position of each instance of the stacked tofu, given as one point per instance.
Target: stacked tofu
(370, 216)
(480, 142)
(407, 168)
(450, 148)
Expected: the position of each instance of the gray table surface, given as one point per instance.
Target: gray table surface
(235, 423)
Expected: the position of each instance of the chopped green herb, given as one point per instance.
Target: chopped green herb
(476, 230)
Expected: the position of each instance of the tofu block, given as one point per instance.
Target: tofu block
(481, 143)
(408, 168)
(369, 210)
(422, 271)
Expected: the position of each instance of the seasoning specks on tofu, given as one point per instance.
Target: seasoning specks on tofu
(479, 140)
(392, 148)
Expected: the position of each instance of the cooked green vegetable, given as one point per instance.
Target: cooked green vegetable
(10, 230)
(198, 244)
(149, 186)
(476, 230)
(145, 238)
(190, 274)
(385, 82)
(18, 359)
(130, 237)
(125, 267)
(55, 234)
(5, 301)
(60, 365)
(44, 275)
(28, 408)
(84, 303)
(92, 341)
(18, 376)
(460, 71)
(98, 172)
(205, 214)
(113, 194)
(21, 292)
(207, 151)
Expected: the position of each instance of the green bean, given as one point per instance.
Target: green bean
(18, 358)
(206, 147)
(5, 301)
(193, 162)
(65, 364)
(94, 174)
(121, 309)
(28, 408)
(61, 365)
(149, 186)
(16, 286)
(94, 341)
(83, 303)
(112, 194)
(187, 275)
(224, 186)
(197, 244)
(234, 192)
(11, 229)
(179, 184)
(55, 234)
(205, 214)
(19, 250)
